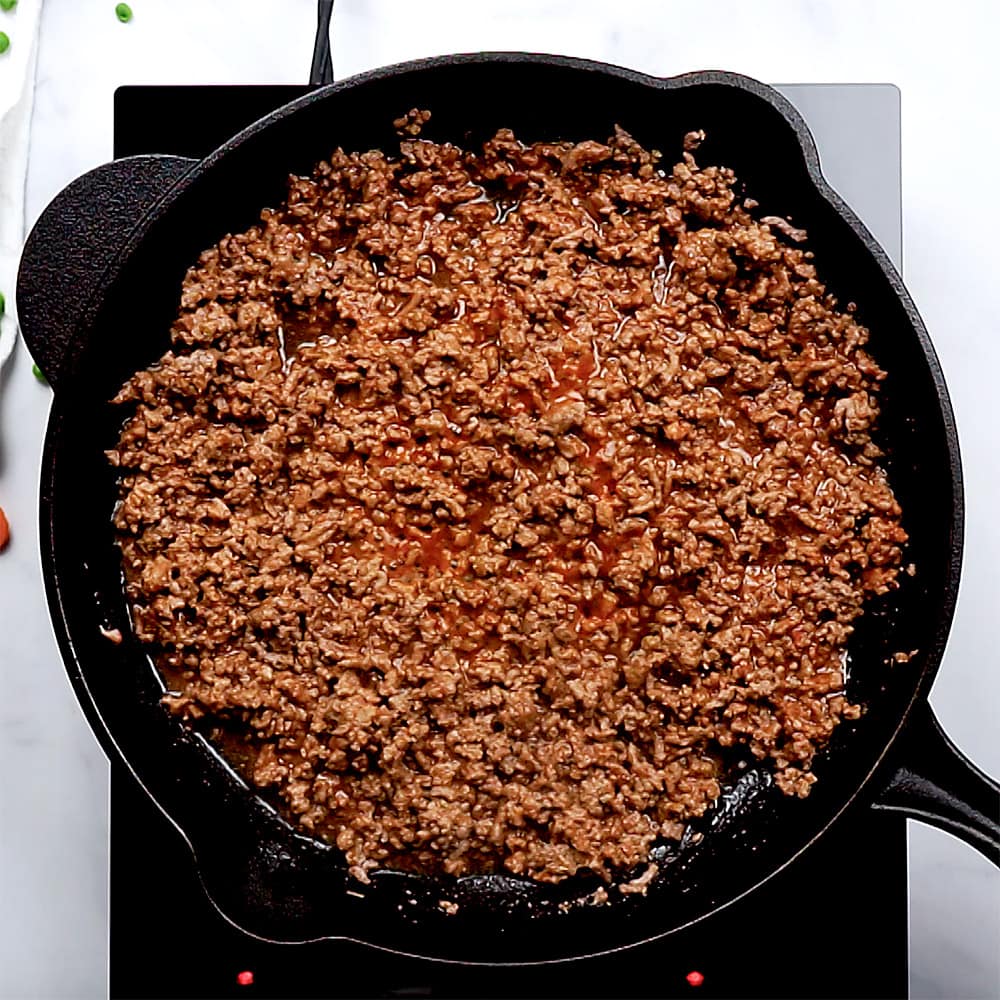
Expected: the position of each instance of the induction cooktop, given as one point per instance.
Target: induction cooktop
(833, 924)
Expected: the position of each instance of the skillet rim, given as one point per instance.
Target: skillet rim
(865, 790)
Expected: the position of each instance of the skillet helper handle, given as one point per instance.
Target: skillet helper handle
(74, 242)
(935, 782)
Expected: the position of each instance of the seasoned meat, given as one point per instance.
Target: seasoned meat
(489, 499)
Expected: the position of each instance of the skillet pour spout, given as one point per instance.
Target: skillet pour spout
(97, 291)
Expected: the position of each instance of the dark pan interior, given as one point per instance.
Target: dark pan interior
(279, 885)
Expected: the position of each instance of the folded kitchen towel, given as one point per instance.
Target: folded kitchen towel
(17, 92)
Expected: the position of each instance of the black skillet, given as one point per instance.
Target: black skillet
(97, 289)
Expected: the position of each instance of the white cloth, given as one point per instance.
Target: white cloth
(17, 92)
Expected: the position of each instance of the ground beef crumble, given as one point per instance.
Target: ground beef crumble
(488, 499)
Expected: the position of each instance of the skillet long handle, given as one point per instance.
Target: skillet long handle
(72, 245)
(935, 782)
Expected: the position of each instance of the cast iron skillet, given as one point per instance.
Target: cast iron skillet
(97, 289)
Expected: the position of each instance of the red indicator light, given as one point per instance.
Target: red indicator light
(695, 978)
(245, 979)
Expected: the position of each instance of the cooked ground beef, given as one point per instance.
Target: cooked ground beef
(490, 500)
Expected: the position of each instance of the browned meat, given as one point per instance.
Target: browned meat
(486, 497)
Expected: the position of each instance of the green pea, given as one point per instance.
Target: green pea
(8, 4)
(123, 12)
(39, 374)
(4, 42)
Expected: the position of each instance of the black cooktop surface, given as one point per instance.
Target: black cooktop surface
(834, 924)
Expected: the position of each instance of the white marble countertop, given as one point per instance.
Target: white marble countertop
(53, 833)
